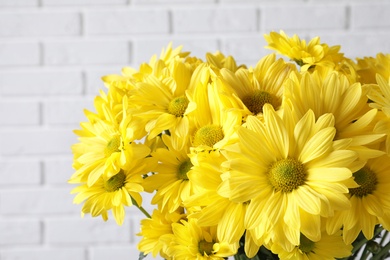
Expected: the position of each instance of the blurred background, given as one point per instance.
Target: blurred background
(52, 56)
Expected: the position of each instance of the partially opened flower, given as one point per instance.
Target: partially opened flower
(194, 242)
(306, 55)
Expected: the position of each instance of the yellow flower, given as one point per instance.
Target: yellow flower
(115, 192)
(201, 243)
(162, 102)
(157, 232)
(105, 144)
(170, 180)
(328, 248)
(220, 61)
(290, 172)
(263, 84)
(370, 201)
(381, 100)
(306, 55)
(347, 102)
(213, 124)
(368, 67)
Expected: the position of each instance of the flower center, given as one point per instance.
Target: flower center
(306, 245)
(115, 182)
(208, 135)
(112, 146)
(178, 106)
(258, 99)
(184, 167)
(367, 180)
(287, 175)
(205, 247)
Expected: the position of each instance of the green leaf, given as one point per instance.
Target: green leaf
(141, 256)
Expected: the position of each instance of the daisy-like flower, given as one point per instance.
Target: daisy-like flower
(381, 100)
(305, 55)
(105, 144)
(157, 232)
(290, 172)
(170, 180)
(328, 248)
(201, 243)
(262, 85)
(219, 60)
(115, 192)
(368, 67)
(347, 102)
(213, 123)
(370, 201)
(162, 102)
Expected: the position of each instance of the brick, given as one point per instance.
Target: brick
(355, 45)
(208, 20)
(83, 2)
(57, 170)
(19, 112)
(41, 82)
(39, 23)
(245, 50)
(36, 141)
(16, 232)
(86, 52)
(94, 81)
(85, 230)
(121, 253)
(37, 201)
(127, 21)
(144, 49)
(20, 172)
(19, 53)
(66, 112)
(370, 16)
(64, 253)
(304, 17)
(18, 3)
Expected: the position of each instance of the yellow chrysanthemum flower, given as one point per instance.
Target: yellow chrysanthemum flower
(368, 67)
(163, 102)
(370, 201)
(380, 96)
(115, 192)
(306, 55)
(220, 61)
(157, 232)
(347, 102)
(291, 173)
(170, 180)
(105, 144)
(213, 124)
(262, 85)
(193, 242)
(329, 247)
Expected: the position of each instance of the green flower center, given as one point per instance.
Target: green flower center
(287, 175)
(178, 106)
(306, 245)
(258, 99)
(112, 146)
(184, 167)
(115, 182)
(367, 180)
(208, 135)
(205, 247)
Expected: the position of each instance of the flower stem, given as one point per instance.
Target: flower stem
(140, 208)
(385, 250)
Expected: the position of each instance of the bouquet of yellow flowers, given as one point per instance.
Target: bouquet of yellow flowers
(289, 159)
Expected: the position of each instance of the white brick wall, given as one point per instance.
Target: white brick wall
(52, 55)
